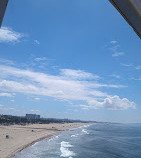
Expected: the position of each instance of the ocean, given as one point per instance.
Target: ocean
(102, 140)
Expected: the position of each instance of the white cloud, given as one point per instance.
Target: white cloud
(113, 103)
(137, 79)
(36, 42)
(99, 85)
(35, 111)
(40, 59)
(6, 62)
(13, 86)
(8, 35)
(127, 65)
(116, 54)
(113, 42)
(68, 85)
(116, 76)
(9, 110)
(131, 65)
(78, 74)
(138, 67)
(37, 98)
(115, 50)
(6, 95)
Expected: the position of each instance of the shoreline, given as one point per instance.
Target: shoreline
(30, 144)
(21, 137)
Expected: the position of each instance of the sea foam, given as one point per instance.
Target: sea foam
(85, 131)
(73, 136)
(65, 152)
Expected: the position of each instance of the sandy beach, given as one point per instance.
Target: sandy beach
(22, 136)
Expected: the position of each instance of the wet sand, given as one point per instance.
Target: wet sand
(22, 136)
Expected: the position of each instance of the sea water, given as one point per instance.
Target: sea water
(102, 140)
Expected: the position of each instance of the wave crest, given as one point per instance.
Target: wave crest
(65, 151)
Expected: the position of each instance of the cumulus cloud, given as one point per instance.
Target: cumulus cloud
(69, 85)
(113, 103)
(8, 35)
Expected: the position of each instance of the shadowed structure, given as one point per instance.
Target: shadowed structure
(3, 5)
(131, 11)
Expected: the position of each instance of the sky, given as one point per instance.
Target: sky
(73, 59)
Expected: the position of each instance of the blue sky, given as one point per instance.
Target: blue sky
(73, 59)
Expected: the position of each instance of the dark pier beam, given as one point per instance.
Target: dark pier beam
(3, 5)
(131, 11)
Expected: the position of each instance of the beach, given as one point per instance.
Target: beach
(20, 137)
(99, 140)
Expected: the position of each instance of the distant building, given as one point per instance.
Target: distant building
(32, 116)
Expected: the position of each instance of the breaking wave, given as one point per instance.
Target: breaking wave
(73, 135)
(85, 131)
(65, 152)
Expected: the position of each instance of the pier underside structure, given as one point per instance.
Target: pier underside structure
(3, 5)
(131, 11)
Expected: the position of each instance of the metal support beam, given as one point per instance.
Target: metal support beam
(3, 5)
(131, 11)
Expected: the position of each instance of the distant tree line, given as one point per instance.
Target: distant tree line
(11, 120)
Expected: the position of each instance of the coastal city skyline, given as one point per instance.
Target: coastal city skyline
(69, 59)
